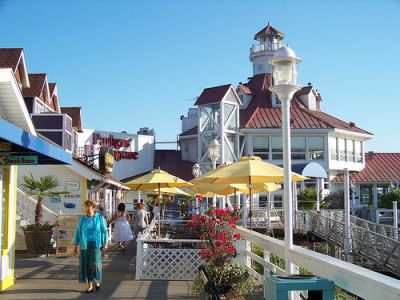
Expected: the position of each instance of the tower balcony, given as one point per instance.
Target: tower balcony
(266, 46)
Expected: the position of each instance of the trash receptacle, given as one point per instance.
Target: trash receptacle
(277, 287)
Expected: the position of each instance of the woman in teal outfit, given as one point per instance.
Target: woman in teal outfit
(91, 237)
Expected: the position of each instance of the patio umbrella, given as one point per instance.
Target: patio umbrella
(248, 170)
(170, 191)
(156, 179)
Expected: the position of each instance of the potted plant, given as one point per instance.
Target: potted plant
(217, 229)
(38, 235)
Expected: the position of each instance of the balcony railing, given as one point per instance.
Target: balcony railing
(264, 47)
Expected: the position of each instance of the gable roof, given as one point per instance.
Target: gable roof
(76, 116)
(9, 57)
(269, 30)
(191, 131)
(379, 167)
(213, 94)
(301, 118)
(37, 84)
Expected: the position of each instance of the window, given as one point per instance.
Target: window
(350, 151)
(263, 201)
(382, 190)
(261, 146)
(316, 147)
(277, 203)
(334, 150)
(276, 145)
(298, 147)
(358, 151)
(342, 149)
(366, 193)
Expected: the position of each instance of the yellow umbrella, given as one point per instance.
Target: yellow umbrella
(248, 170)
(156, 179)
(170, 191)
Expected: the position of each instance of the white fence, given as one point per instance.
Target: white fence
(165, 259)
(357, 280)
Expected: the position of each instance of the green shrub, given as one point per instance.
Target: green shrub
(334, 200)
(307, 198)
(386, 201)
(236, 275)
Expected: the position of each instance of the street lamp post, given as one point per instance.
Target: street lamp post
(285, 85)
(214, 148)
(196, 173)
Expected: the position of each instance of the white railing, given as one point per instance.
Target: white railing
(376, 243)
(264, 47)
(26, 206)
(386, 216)
(165, 259)
(354, 279)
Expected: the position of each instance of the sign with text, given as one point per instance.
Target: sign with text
(72, 186)
(18, 160)
(66, 225)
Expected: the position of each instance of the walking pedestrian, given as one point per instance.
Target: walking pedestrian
(141, 220)
(122, 230)
(91, 237)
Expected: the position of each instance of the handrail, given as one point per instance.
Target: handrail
(26, 208)
(357, 280)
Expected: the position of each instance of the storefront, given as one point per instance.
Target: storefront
(18, 147)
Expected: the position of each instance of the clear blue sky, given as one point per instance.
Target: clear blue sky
(133, 64)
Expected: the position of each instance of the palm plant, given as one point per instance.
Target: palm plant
(40, 188)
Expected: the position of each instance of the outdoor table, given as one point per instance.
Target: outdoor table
(277, 287)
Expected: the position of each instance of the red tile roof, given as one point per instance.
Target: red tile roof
(192, 131)
(213, 94)
(37, 83)
(76, 116)
(9, 57)
(170, 161)
(245, 88)
(259, 87)
(302, 118)
(379, 167)
(269, 30)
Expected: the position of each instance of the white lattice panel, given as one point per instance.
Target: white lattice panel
(170, 264)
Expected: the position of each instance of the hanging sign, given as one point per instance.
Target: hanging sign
(18, 160)
(106, 159)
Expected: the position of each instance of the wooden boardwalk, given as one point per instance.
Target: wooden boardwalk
(56, 278)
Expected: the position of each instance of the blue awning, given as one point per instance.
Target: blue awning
(24, 143)
(311, 169)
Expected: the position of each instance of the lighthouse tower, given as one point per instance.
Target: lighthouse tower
(269, 40)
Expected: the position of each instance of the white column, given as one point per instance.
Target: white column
(347, 236)
(269, 213)
(244, 211)
(196, 208)
(318, 189)
(395, 220)
(287, 166)
(214, 196)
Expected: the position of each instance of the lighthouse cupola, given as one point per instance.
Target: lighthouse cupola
(269, 40)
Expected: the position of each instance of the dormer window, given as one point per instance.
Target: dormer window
(275, 100)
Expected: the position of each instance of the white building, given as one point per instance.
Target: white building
(247, 120)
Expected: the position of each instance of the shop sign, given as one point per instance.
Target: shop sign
(117, 144)
(72, 186)
(18, 160)
(66, 225)
(106, 159)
